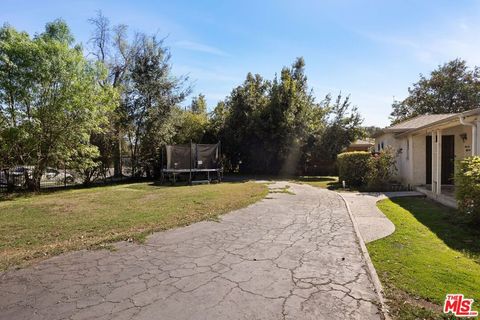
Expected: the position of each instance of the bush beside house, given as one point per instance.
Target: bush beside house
(353, 167)
(366, 170)
(467, 182)
(381, 168)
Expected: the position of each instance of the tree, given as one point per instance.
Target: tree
(293, 109)
(192, 124)
(15, 99)
(112, 48)
(51, 99)
(190, 127)
(452, 88)
(278, 127)
(216, 123)
(199, 105)
(151, 93)
(243, 130)
(144, 117)
(58, 30)
(371, 131)
(343, 125)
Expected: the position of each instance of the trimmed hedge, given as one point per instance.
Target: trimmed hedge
(353, 167)
(467, 181)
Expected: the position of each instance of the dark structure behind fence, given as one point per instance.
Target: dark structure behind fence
(18, 178)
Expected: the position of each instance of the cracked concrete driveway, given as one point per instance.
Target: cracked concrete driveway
(286, 257)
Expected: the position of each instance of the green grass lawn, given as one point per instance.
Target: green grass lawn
(431, 253)
(38, 226)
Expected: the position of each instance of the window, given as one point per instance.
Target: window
(382, 145)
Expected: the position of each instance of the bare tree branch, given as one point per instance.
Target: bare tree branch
(101, 36)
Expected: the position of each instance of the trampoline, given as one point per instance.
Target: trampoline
(199, 163)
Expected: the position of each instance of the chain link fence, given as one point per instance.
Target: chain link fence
(20, 177)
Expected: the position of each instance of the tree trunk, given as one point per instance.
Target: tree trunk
(33, 183)
(117, 158)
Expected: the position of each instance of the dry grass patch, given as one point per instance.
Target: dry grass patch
(48, 224)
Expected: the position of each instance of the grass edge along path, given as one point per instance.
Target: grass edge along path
(35, 227)
(323, 182)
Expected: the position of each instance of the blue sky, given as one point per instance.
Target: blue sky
(372, 50)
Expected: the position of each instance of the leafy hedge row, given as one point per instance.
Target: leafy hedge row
(362, 169)
(353, 167)
(467, 181)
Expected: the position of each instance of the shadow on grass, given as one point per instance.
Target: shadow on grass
(138, 184)
(447, 224)
(237, 177)
(25, 193)
(318, 178)
(329, 182)
(184, 183)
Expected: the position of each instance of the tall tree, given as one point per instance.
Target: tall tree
(112, 48)
(371, 131)
(51, 98)
(342, 126)
(452, 87)
(216, 123)
(292, 104)
(151, 93)
(199, 105)
(242, 134)
(278, 127)
(58, 30)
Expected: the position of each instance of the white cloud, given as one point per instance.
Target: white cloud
(200, 47)
(449, 41)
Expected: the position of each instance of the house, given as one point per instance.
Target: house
(427, 147)
(360, 145)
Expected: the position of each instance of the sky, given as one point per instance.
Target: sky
(371, 50)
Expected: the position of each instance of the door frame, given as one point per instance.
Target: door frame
(448, 165)
(428, 159)
(445, 171)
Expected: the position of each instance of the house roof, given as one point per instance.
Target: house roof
(425, 121)
(361, 142)
(419, 121)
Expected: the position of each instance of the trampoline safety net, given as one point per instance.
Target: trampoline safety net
(193, 156)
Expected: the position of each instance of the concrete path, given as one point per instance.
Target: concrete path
(372, 223)
(286, 257)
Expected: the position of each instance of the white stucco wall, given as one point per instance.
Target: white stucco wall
(404, 159)
(411, 161)
(419, 160)
(389, 140)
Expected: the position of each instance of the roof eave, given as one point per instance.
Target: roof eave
(454, 117)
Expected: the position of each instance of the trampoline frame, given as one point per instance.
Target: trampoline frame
(174, 173)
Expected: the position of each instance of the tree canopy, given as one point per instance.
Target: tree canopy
(50, 100)
(453, 87)
(60, 108)
(278, 127)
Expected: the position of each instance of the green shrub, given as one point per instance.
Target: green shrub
(467, 182)
(381, 168)
(353, 167)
